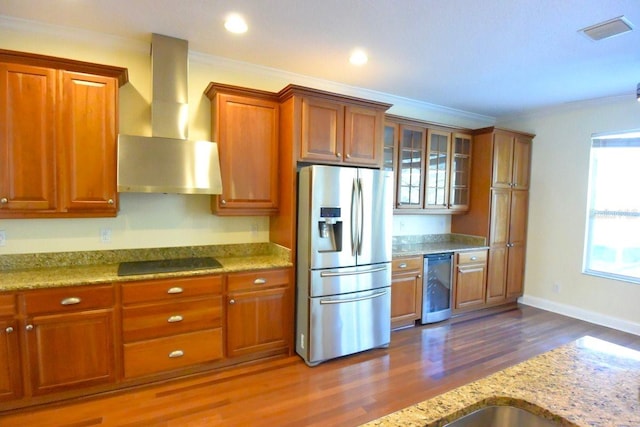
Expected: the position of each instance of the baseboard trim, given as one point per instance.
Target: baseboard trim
(582, 314)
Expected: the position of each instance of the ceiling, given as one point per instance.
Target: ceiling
(492, 57)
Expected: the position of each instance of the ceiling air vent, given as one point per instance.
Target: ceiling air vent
(606, 29)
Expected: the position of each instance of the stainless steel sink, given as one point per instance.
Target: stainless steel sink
(502, 416)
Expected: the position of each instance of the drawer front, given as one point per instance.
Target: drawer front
(258, 279)
(160, 320)
(68, 299)
(7, 305)
(170, 289)
(404, 264)
(166, 354)
(472, 257)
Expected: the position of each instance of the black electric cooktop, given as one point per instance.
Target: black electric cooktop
(132, 268)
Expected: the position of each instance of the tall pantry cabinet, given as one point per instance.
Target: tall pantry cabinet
(498, 208)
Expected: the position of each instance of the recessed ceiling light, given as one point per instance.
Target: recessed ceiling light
(358, 57)
(606, 29)
(235, 24)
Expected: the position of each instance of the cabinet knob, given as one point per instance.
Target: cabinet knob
(338, 154)
(232, 301)
(348, 156)
(223, 202)
(110, 202)
(175, 319)
(9, 330)
(29, 327)
(4, 200)
(176, 353)
(419, 276)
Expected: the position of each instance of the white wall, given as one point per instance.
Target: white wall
(158, 220)
(557, 213)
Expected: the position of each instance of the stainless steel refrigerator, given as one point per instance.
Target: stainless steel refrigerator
(343, 302)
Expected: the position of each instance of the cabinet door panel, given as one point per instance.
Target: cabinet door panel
(71, 351)
(27, 130)
(10, 374)
(257, 321)
(470, 286)
(322, 130)
(502, 160)
(411, 168)
(247, 134)
(88, 141)
(497, 274)
(500, 210)
(406, 303)
(363, 136)
(437, 168)
(521, 162)
(460, 178)
(515, 271)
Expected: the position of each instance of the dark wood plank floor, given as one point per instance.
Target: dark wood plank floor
(420, 363)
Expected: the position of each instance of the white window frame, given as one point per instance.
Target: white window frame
(609, 140)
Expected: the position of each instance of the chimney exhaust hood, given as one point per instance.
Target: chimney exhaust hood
(167, 161)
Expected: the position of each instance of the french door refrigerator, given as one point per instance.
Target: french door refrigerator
(343, 293)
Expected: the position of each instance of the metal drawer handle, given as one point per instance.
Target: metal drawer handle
(176, 290)
(71, 301)
(402, 265)
(175, 319)
(473, 258)
(342, 301)
(176, 353)
(350, 273)
(260, 281)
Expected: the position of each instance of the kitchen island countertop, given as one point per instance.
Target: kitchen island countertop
(588, 382)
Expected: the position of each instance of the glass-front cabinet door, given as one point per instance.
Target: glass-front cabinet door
(437, 186)
(410, 167)
(460, 172)
(389, 161)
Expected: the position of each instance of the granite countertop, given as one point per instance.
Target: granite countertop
(588, 382)
(34, 271)
(436, 243)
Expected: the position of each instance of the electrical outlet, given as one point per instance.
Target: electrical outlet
(254, 229)
(105, 235)
(3, 238)
(556, 287)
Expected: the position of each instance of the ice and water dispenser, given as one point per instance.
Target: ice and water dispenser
(330, 230)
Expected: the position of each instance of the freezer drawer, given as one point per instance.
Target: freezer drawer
(349, 323)
(334, 281)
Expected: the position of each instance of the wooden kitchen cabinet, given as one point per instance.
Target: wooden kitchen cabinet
(58, 133)
(10, 370)
(499, 206)
(259, 312)
(245, 124)
(334, 129)
(170, 324)
(470, 280)
(411, 167)
(406, 291)
(69, 337)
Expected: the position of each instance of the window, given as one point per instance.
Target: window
(612, 241)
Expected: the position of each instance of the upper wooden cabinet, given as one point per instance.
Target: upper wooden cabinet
(512, 157)
(245, 124)
(58, 130)
(432, 166)
(335, 129)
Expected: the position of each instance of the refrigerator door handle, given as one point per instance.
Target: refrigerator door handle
(341, 301)
(360, 216)
(350, 273)
(354, 218)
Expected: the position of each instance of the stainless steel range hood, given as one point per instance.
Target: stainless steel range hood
(167, 161)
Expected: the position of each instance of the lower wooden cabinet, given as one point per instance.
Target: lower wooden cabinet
(470, 280)
(259, 312)
(171, 324)
(406, 291)
(69, 338)
(10, 371)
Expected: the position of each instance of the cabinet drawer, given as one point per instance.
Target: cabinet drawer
(471, 257)
(166, 354)
(159, 320)
(7, 305)
(170, 289)
(404, 264)
(68, 299)
(258, 279)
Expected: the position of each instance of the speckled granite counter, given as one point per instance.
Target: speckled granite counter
(435, 243)
(589, 382)
(45, 270)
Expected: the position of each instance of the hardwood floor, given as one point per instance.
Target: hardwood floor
(420, 363)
